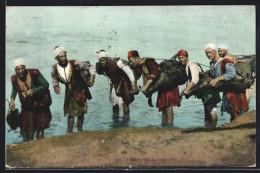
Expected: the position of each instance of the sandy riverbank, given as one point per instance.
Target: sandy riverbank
(230, 145)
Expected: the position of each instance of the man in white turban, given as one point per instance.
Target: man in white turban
(18, 61)
(211, 46)
(77, 77)
(34, 95)
(223, 52)
(222, 69)
(123, 82)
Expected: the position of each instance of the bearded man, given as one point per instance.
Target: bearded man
(34, 95)
(223, 69)
(77, 77)
(223, 51)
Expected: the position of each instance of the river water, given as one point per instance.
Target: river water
(155, 31)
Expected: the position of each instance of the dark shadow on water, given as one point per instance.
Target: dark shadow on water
(167, 125)
(119, 122)
(207, 129)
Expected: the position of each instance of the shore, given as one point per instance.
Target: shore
(233, 144)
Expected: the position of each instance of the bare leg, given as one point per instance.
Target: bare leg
(213, 119)
(80, 122)
(126, 110)
(31, 126)
(169, 115)
(233, 116)
(116, 111)
(210, 118)
(164, 116)
(25, 135)
(70, 124)
(207, 117)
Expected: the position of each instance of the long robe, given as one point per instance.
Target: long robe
(119, 79)
(77, 91)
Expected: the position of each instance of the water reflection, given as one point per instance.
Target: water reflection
(167, 125)
(119, 122)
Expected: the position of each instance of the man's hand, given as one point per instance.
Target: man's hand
(57, 89)
(91, 81)
(143, 88)
(24, 94)
(12, 104)
(146, 85)
(213, 82)
(134, 88)
(29, 92)
(186, 91)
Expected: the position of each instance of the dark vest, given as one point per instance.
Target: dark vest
(76, 82)
(28, 102)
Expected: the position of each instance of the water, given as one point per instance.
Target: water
(158, 31)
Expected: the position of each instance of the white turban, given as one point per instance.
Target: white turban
(18, 61)
(212, 46)
(57, 50)
(101, 54)
(223, 46)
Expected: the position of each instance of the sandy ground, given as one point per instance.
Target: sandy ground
(230, 145)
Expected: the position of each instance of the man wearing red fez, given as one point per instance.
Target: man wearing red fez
(123, 82)
(150, 71)
(210, 98)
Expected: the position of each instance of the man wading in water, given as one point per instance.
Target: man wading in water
(77, 77)
(123, 84)
(150, 71)
(210, 97)
(223, 69)
(30, 86)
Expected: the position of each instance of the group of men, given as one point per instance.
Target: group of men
(221, 68)
(79, 76)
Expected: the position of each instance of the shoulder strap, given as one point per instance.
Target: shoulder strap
(189, 73)
(223, 63)
(200, 67)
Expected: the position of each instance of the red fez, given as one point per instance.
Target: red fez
(183, 53)
(133, 53)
